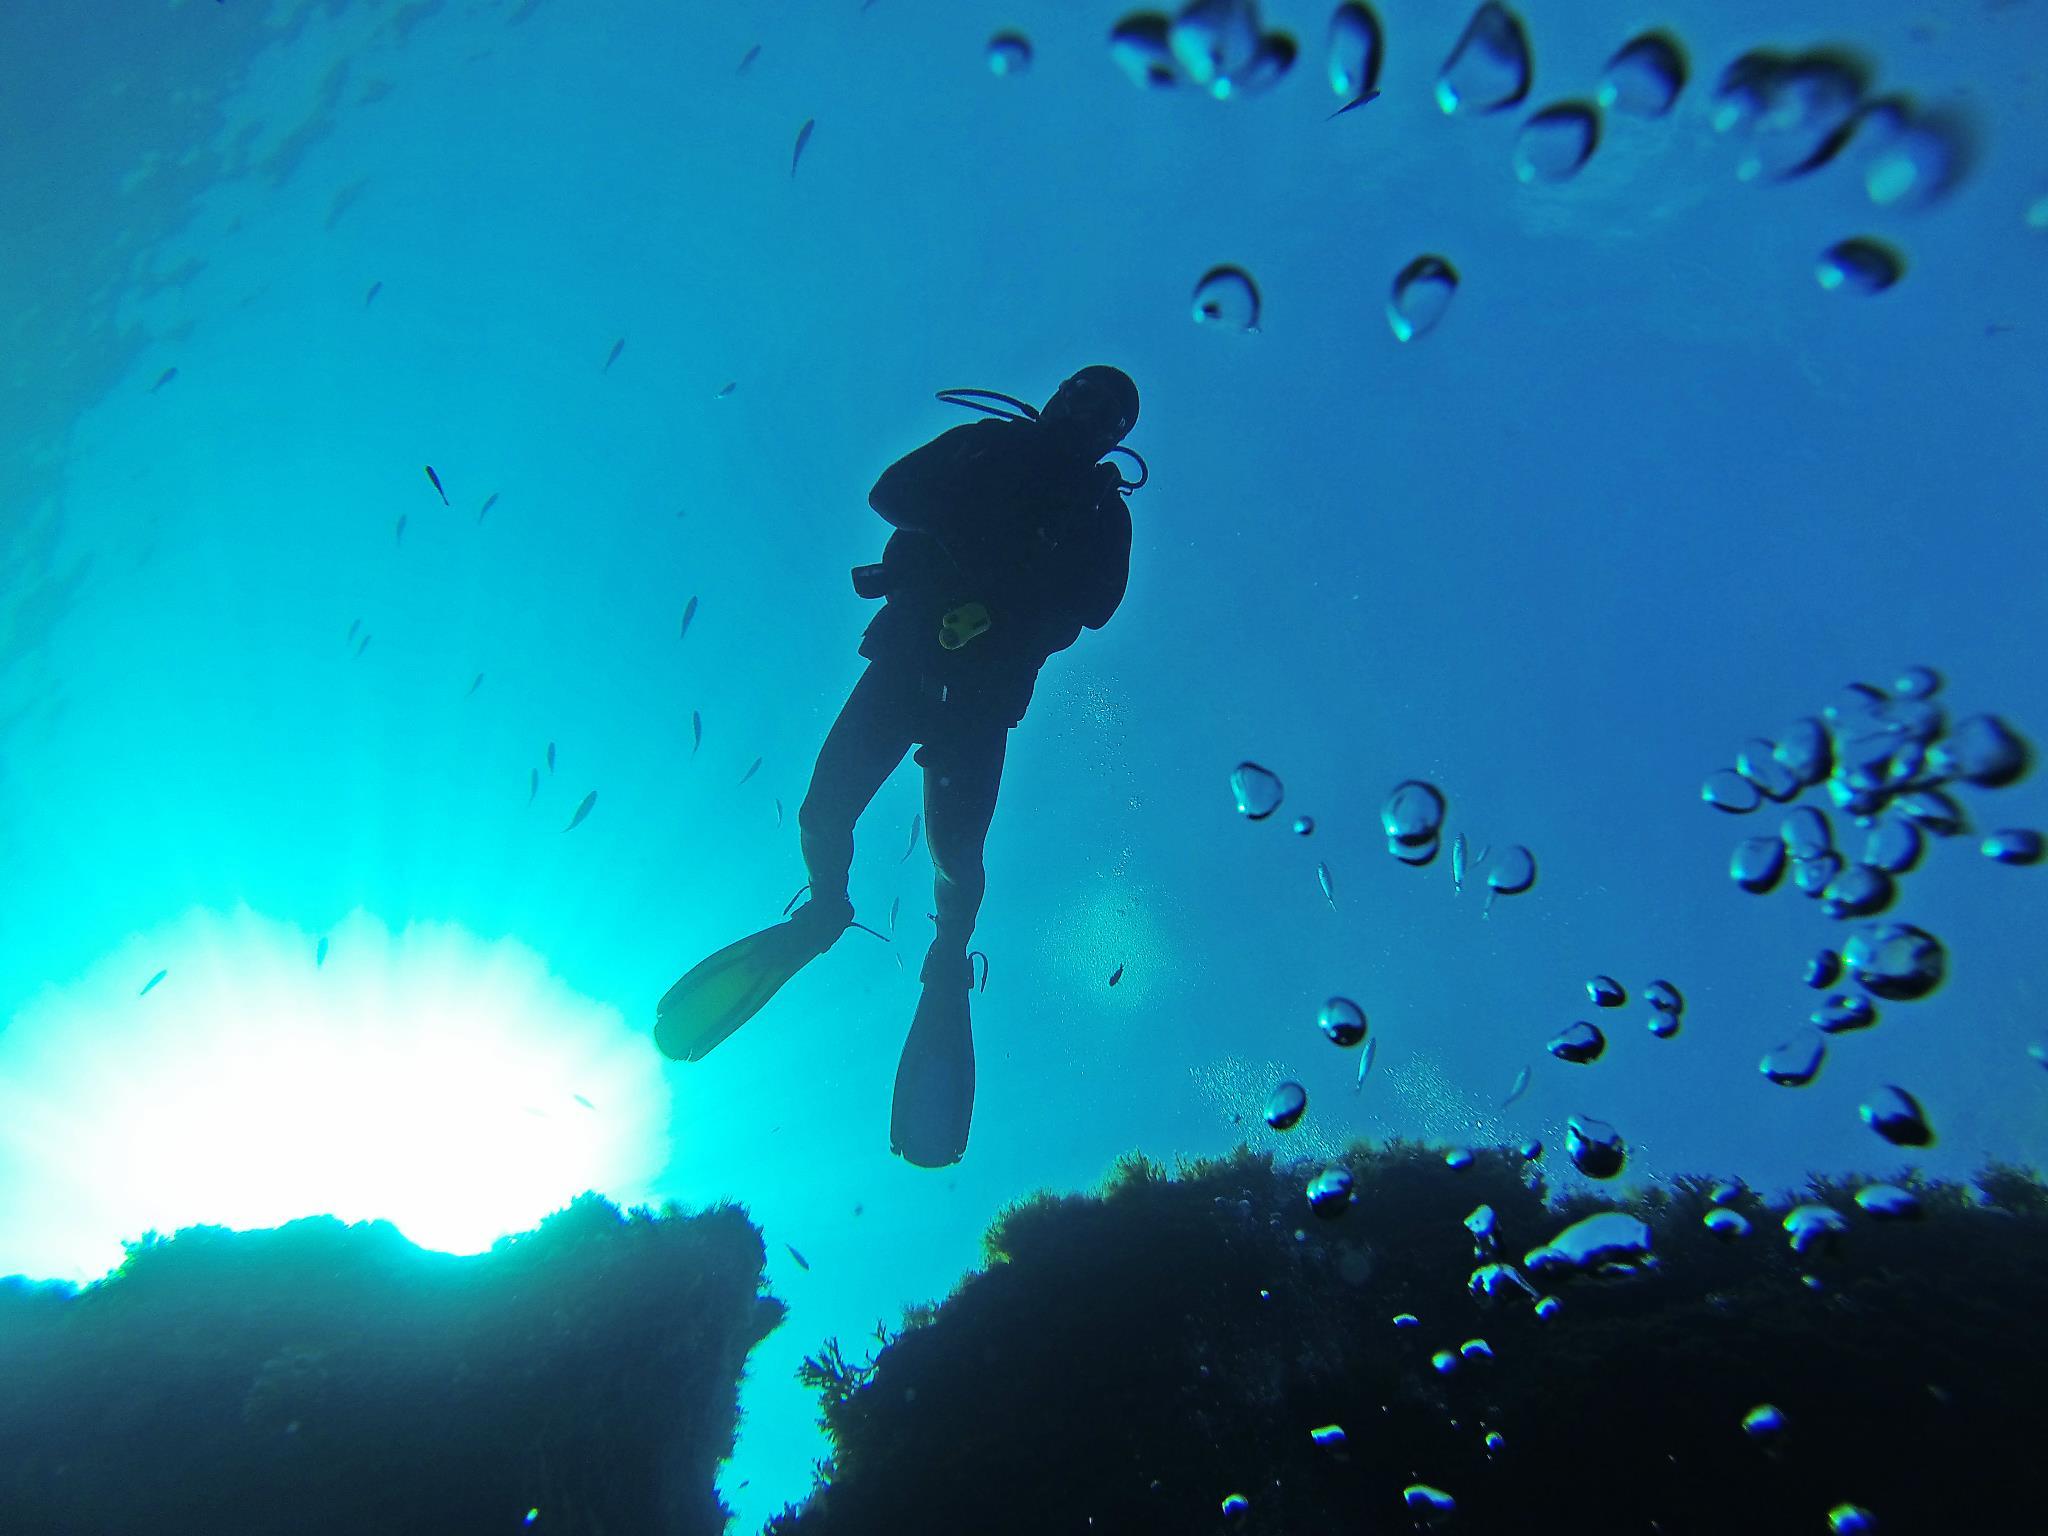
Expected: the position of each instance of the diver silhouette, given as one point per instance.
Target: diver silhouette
(1011, 537)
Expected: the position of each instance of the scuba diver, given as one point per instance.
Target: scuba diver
(1011, 536)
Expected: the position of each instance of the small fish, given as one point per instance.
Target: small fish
(398, 534)
(778, 815)
(689, 613)
(490, 501)
(375, 289)
(617, 347)
(915, 822)
(1323, 879)
(1521, 1087)
(1458, 864)
(803, 137)
(582, 811)
(801, 1261)
(1116, 976)
(533, 789)
(696, 732)
(752, 768)
(551, 757)
(753, 53)
(475, 683)
(1372, 1047)
(150, 985)
(1356, 101)
(582, 1100)
(162, 379)
(320, 951)
(437, 485)
(364, 646)
(353, 626)
(894, 903)
(720, 396)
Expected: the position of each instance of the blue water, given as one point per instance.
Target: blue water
(1647, 491)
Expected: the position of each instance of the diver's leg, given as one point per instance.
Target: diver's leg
(861, 750)
(962, 774)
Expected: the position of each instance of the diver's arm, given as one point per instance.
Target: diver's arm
(1110, 572)
(923, 489)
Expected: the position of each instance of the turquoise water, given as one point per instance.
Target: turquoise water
(1648, 489)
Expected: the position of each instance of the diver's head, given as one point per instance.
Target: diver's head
(1096, 408)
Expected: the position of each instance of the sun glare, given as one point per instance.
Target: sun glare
(443, 1082)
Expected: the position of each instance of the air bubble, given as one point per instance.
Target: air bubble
(1256, 791)
(1227, 299)
(1556, 142)
(1859, 265)
(1285, 1107)
(2014, 846)
(1896, 1116)
(1727, 790)
(1797, 1061)
(1422, 292)
(1595, 1147)
(1489, 68)
(1757, 863)
(1644, 77)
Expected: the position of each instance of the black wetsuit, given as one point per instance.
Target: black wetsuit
(999, 513)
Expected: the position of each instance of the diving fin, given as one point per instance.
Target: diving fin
(935, 1080)
(722, 993)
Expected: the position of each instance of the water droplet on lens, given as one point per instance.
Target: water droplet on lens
(1804, 750)
(1662, 1025)
(1612, 1242)
(1790, 115)
(1932, 810)
(1482, 1224)
(1982, 749)
(1256, 791)
(1812, 876)
(1329, 1192)
(1806, 833)
(1764, 1423)
(1888, 1202)
(1355, 48)
(1595, 1147)
(1910, 160)
(1851, 1520)
(1757, 863)
(1489, 68)
(1343, 1021)
(1857, 891)
(1727, 790)
(1214, 38)
(1579, 1043)
(1843, 1012)
(1138, 45)
(1427, 1503)
(1823, 970)
(1009, 53)
(1512, 871)
(1228, 299)
(1606, 992)
(1413, 814)
(1556, 142)
(1892, 846)
(1859, 265)
(1813, 1226)
(1286, 1105)
(1796, 1062)
(1421, 294)
(1644, 77)
(1304, 825)
(1895, 960)
(2013, 846)
(1458, 1159)
(1664, 997)
(1726, 1225)
(1757, 761)
(1896, 1116)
